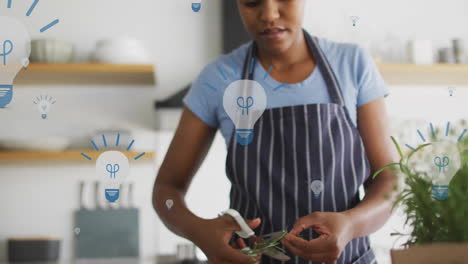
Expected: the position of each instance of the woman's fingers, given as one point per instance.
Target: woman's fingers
(299, 248)
(306, 222)
(296, 243)
(254, 223)
(312, 245)
(240, 243)
(315, 245)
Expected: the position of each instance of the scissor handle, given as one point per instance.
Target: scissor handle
(245, 231)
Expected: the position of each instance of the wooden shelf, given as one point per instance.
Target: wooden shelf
(436, 74)
(86, 73)
(71, 155)
(108, 74)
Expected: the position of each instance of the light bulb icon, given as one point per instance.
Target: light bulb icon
(169, 204)
(244, 101)
(44, 104)
(317, 188)
(445, 162)
(354, 19)
(196, 5)
(15, 48)
(451, 90)
(112, 167)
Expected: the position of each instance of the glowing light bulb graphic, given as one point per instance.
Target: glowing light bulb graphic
(169, 204)
(451, 90)
(112, 167)
(317, 188)
(44, 104)
(244, 101)
(15, 48)
(354, 19)
(445, 162)
(196, 5)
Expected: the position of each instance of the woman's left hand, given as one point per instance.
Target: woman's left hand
(334, 229)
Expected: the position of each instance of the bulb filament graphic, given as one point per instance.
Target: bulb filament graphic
(441, 163)
(112, 170)
(5, 51)
(241, 102)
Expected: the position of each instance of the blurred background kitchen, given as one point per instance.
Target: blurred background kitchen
(134, 54)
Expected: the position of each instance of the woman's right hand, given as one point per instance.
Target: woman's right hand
(214, 238)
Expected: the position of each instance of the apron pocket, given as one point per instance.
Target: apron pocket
(367, 258)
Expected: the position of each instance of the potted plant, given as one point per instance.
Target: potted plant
(439, 226)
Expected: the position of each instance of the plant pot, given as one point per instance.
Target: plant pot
(439, 253)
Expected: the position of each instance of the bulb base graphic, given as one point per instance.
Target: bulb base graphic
(440, 192)
(196, 7)
(15, 48)
(317, 196)
(244, 136)
(112, 195)
(6, 94)
(44, 116)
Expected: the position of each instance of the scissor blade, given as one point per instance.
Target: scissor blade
(275, 236)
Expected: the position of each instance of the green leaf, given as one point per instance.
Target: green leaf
(384, 168)
(416, 150)
(397, 147)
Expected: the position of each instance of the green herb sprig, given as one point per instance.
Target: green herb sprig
(262, 247)
(431, 220)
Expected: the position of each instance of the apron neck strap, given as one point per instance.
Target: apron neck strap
(312, 42)
(327, 72)
(249, 63)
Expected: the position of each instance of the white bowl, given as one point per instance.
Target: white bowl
(121, 51)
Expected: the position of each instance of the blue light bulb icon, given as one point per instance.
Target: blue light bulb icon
(244, 101)
(446, 162)
(112, 167)
(196, 5)
(7, 49)
(6, 92)
(44, 103)
(15, 48)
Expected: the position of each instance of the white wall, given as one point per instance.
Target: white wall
(182, 42)
(39, 199)
(385, 26)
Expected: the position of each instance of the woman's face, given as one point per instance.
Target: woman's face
(274, 24)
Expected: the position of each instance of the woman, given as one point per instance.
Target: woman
(328, 127)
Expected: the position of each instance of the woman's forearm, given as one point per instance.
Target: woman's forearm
(376, 207)
(178, 218)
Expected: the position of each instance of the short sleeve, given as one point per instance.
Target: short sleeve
(202, 97)
(369, 82)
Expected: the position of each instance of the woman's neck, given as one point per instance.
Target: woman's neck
(297, 53)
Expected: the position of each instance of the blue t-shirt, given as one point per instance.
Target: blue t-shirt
(356, 71)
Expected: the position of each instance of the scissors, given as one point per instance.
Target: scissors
(259, 243)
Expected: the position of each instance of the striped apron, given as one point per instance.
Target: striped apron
(292, 148)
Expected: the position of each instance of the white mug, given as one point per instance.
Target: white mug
(421, 52)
